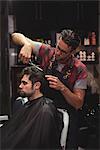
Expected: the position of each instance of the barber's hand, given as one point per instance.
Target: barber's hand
(25, 53)
(54, 82)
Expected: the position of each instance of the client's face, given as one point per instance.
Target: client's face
(25, 87)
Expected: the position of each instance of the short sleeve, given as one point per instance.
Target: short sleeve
(81, 81)
(81, 84)
(46, 53)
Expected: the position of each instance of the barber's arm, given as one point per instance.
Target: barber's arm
(75, 98)
(28, 46)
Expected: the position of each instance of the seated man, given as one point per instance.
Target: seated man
(37, 124)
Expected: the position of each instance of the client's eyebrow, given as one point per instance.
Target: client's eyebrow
(24, 82)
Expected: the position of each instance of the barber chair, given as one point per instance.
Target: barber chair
(3, 118)
(65, 128)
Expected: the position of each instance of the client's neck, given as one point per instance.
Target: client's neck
(36, 95)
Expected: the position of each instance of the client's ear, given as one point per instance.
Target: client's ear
(37, 85)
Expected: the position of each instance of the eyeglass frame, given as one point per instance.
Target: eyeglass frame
(57, 46)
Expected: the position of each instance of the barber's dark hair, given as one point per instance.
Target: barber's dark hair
(35, 75)
(71, 38)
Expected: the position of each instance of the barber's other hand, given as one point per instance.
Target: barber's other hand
(54, 82)
(25, 53)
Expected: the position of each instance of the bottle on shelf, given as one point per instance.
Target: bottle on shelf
(86, 41)
(93, 56)
(93, 38)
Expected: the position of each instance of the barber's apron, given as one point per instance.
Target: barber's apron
(60, 102)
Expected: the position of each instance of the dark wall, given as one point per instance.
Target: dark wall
(4, 62)
(40, 17)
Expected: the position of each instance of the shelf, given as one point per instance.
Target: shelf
(88, 54)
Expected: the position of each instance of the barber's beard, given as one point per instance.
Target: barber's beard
(63, 60)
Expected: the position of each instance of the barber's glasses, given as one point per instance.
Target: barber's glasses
(63, 51)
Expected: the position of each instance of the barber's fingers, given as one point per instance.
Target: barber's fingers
(24, 60)
(25, 55)
(54, 82)
(51, 78)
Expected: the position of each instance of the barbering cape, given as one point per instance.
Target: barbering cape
(35, 126)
